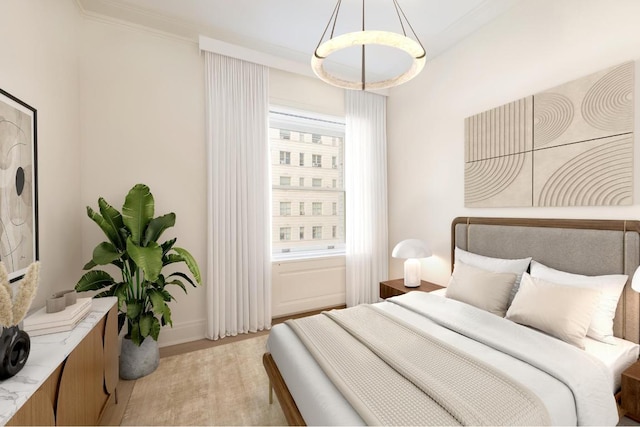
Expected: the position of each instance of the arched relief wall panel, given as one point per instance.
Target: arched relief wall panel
(571, 145)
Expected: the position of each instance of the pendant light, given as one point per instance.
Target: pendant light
(400, 41)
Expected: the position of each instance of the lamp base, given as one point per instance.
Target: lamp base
(412, 273)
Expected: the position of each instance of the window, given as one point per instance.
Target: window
(285, 180)
(317, 208)
(285, 158)
(306, 206)
(285, 233)
(285, 208)
(317, 232)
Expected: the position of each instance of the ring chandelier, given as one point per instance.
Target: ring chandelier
(385, 38)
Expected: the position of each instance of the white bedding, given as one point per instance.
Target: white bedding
(320, 403)
(616, 357)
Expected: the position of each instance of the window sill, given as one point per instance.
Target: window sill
(306, 256)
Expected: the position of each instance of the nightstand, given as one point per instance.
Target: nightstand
(630, 400)
(391, 288)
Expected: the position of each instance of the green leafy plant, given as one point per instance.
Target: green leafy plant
(133, 247)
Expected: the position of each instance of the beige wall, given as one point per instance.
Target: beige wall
(305, 93)
(39, 65)
(142, 121)
(535, 46)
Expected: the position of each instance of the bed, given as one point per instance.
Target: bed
(546, 382)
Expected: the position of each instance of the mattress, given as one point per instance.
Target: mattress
(318, 400)
(320, 403)
(616, 357)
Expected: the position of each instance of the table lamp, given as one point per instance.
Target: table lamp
(635, 281)
(411, 250)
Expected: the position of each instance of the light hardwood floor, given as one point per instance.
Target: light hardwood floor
(113, 416)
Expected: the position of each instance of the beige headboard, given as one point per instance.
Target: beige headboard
(590, 247)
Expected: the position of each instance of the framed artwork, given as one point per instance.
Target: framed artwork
(18, 185)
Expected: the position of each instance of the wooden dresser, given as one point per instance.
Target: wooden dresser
(70, 377)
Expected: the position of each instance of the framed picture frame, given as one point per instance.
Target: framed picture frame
(18, 185)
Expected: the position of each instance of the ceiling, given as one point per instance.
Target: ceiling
(291, 29)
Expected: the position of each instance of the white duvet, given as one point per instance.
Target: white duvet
(586, 378)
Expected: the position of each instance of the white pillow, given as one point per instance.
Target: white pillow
(558, 310)
(497, 265)
(611, 286)
(481, 288)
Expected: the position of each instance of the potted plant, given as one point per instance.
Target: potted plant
(142, 289)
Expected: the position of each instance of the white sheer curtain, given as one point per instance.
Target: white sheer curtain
(366, 196)
(238, 235)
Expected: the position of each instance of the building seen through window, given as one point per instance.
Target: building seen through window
(285, 233)
(285, 158)
(285, 180)
(317, 143)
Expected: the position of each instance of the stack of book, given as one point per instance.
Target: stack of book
(41, 322)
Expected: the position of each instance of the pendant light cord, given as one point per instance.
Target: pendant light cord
(363, 61)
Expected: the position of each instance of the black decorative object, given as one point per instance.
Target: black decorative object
(14, 351)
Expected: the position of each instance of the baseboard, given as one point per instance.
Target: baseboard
(195, 330)
(182, 333)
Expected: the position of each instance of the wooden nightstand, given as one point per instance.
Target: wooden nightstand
(391, 288)
(630, 400)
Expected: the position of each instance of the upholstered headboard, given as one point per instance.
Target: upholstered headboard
(590, 247)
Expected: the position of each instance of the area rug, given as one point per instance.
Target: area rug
(222, 385)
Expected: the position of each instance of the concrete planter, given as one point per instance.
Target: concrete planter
(136, 362)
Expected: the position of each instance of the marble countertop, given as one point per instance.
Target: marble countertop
(47, 353)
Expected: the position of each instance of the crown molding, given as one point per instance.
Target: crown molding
(242, 47)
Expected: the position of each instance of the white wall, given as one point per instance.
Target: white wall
(534, 46)
(39, 65)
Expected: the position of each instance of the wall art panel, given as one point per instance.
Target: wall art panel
(502, 131)
(593, 173)
(499, 181)
(596, 106)
(567, 146)
(18, 185)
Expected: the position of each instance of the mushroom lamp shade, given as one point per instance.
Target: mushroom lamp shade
(411, 250)
(635, 281)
